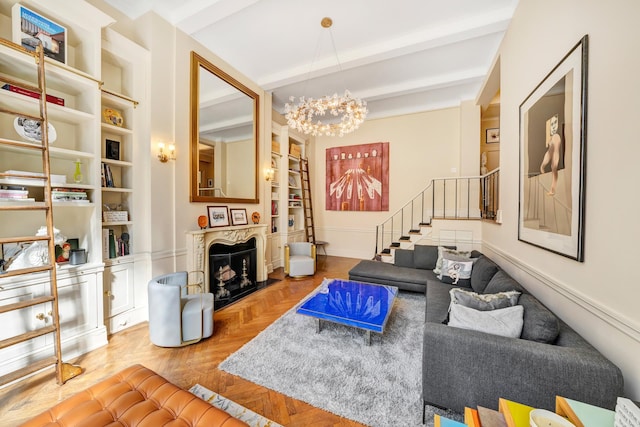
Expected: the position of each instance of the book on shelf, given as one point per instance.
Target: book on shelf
(471, 417)
(440, 421)
(69, 195)
(490, 418)
(112, 244)
(105, 243)
(22, 91)
(107, 176)
(6, 193)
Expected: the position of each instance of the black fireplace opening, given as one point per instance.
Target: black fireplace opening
(232, 271)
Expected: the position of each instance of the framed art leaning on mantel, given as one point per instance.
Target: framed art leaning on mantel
(553, 124)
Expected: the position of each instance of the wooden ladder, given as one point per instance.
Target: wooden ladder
(307, 207)
(64, 371)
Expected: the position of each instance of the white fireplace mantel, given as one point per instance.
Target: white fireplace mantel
(199, 242)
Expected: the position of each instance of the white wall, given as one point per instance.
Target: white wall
(421, 146)
(600, 296)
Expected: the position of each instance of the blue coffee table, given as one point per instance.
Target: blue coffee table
(362, 305)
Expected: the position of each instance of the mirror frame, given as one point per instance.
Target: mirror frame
(198, 61)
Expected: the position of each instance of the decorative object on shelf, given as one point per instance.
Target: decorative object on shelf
(493, 135)
(350, 111)
(64, 253)
(255, 217)
(358, 177)
(30, 29)
(113, 117)
(112, 149)
(78, 256)
(35, 254)
(115, 216)
(77, 175)
(203, 221)
(163, 156)
(269, 174)
(218, 216)
(239, 217)
(544, 418)
(291, 222)
(30, 130)
(552, 158)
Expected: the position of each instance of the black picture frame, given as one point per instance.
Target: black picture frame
(218, 216)
(112, 149)
(553, 143)
(492, 136)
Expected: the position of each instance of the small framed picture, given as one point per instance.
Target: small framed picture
(239, 217)
(493, 135)
(112, 149)
(31, 29)
(218, 216)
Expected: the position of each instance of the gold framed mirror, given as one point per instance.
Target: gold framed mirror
(224, 136)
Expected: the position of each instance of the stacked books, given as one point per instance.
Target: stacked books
(62, 194)
(14, 194)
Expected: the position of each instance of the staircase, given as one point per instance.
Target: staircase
(459, 198)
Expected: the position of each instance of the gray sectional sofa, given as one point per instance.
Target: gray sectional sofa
(463, 367)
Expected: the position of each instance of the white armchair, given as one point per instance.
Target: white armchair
(177, 318)
(300, 259)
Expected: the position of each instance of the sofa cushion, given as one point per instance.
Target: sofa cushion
(403, 258)
(425, 256)
(506, 322)
(456, 272)
(385, 273)
(540, 324)
(484, 302)
(483, 271)
(502, 282)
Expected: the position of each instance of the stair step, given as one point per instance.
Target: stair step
(414, 232)
(386, 252)
(395, 245)
(425, 224)
(404, 238)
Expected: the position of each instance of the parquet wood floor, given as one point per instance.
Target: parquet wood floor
(234, 326)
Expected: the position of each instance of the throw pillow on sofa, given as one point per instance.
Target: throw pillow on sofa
(456, 272)
(484, 302)
(483, 271)
(449, 252)
(540, 324)
(502, 282)
(425, 256)
(506, 322)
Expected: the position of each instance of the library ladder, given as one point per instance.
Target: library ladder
(64, 371)
(307, 206)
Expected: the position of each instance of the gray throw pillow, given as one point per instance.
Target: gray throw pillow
(502, 282)
(403, 258)
(506, 322)
(540, 324)
(425, 256)
(483, 271)
(484, 302)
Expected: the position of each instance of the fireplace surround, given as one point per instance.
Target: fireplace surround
(199, 243)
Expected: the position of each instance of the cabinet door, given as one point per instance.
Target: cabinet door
(77, 301)
(118, 289)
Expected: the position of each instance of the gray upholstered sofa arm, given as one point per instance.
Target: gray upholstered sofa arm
(462, 367)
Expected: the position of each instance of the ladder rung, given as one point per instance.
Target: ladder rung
(20, 113)
(27, 336)
(33, 367)
(25, 207)
(7, 79)
(23, 239)
(26, 271)
(21, 144)
(25, 304)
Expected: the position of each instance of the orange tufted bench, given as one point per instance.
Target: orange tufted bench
(135, 397)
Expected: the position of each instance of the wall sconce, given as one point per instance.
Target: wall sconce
(164, 157)
(269, 174)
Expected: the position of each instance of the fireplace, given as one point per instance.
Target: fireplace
(232, 271)
(233, 241)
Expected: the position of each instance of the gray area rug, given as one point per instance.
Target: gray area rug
(377, 385)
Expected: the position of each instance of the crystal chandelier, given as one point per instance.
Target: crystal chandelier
(349, 112)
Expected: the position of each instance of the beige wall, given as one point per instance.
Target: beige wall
(598, 297)
(422, 146)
